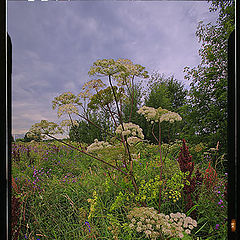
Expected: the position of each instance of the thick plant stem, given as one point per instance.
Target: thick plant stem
(126, 143)
(112, 115)
(108, 109)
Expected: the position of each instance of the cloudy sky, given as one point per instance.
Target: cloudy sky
(55, 43)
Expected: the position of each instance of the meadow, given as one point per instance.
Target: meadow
(61, 193)
(143, 159)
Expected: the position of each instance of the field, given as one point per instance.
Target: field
(61, 193)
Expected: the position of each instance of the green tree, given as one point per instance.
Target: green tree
(206, 114)
(167, 93)
(86, 132)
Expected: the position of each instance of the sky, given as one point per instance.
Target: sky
(55, 43)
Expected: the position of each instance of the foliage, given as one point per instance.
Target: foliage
(63, 188)
(94, 185)
(85, 132)
(105, 97)
(164, 92)
(187, 166)
(206, 114)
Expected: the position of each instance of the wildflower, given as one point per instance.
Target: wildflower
(181, 235)
(133, 220)
(148, 232)
(152, 114)
(98, 145)
(190, 226)
(194, 223)
(147, 220)
(130, 129)
(131, 225)
(217, 226)
(89, 228)
(138, 229)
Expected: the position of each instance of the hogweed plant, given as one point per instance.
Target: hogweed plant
(158, 225)
(157, 116)
(123, 72)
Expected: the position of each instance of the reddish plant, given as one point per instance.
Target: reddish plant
(15, 214)
(185, 159)
(186, 165)
(210, 177)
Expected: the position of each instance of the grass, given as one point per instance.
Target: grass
(67, 195)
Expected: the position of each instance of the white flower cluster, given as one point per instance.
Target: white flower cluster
(122, 70)
(155, 225)
(67, 109)
(133, 132)
(68, 123)
(170, 117)
(97, 145)
(158, 115)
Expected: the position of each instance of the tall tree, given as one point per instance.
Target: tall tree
(165, 92)
(206, 113)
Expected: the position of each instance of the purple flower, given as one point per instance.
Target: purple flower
(217, 226)
(89, 228)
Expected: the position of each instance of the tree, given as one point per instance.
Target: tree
(86, 132)
(206, 113)
(167, 93)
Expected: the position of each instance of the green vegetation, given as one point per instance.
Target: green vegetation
(63, 194)
(126, 170)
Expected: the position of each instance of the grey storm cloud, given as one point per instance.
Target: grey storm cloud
(55, 43)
